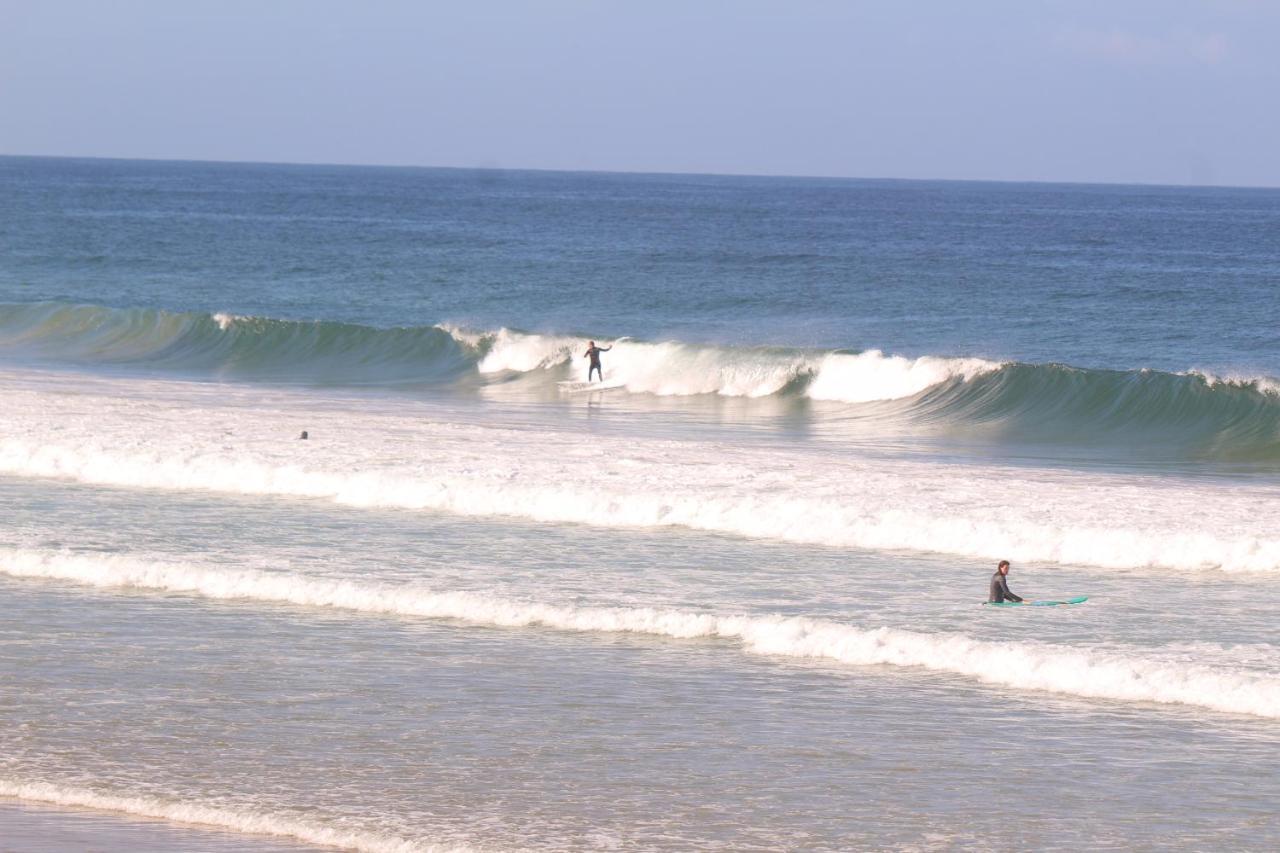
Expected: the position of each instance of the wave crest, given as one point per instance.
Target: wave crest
(1195, 414)
(230, 345)
(1078, 671)
(675, 369)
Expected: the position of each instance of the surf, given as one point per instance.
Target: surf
(229, 346)
(192, 439)
(1191, 415)
(1084, 672)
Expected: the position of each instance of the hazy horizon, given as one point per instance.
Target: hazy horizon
(779, 176)
(1144, 93)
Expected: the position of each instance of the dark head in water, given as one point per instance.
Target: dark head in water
(303, 437)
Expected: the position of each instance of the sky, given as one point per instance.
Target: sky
(1129, 91)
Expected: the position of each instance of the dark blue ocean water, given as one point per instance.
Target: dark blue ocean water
(1093, 276)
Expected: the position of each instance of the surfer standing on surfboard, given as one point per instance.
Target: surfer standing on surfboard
(593, 353)
(1000, 585)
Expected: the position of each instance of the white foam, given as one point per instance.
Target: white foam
(1261, 384)
(521, 352)
(226, 321)
(872, 375)
(200, 814)
(680, 370)
(879, 507)
(1077, 671)
(185, 437)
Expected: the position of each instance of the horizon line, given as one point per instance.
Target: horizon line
(657, 173)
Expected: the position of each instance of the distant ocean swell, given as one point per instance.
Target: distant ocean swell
(1077, 671)
(1194, 412)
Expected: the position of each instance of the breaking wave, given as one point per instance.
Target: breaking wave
(1199, 414)
(230, 346)
(1085, 672)
(1064, 519)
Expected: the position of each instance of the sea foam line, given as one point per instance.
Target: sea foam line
(876, 506)
(200, 814)
(1087, 673)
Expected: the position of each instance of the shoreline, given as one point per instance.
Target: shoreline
(31, 827)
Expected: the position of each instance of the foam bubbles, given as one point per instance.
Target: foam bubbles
(872, 375)
(675, 369)
(1079, 671)
(1262, 384)
(174, 436)
(226, 321)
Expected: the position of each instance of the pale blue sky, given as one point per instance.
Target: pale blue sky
(1152, 91)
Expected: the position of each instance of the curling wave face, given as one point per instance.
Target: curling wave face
(1196, 414)
(230, 346)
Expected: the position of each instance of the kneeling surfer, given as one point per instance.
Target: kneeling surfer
(1000, 585)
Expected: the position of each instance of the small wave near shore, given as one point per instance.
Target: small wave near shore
(251, 822)
(1077, 671)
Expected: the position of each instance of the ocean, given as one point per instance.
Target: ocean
(728, 597)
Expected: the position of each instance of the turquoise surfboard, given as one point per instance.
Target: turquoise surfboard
(1047, 603)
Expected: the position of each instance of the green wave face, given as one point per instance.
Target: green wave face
(1186, 416)
(230, 346)
(1191, 414)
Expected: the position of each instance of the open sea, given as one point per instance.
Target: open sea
(730, 597)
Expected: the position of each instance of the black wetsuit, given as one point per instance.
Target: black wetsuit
(594, 354)
(1000, 590)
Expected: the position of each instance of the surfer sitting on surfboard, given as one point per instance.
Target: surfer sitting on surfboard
(593, 353)
(1000, 585)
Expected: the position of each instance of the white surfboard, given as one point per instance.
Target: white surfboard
(575, 387)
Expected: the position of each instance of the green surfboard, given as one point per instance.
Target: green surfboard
(1046, 603)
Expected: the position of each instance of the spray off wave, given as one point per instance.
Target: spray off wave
(1077, 671)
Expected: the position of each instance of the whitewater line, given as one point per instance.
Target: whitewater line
(199, 814)
(676, 369)
(865, 508)
(1079, 672)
